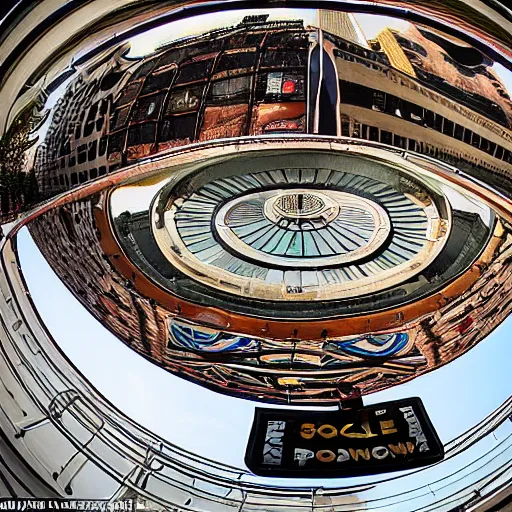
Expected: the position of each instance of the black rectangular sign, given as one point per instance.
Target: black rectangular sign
(389, 436)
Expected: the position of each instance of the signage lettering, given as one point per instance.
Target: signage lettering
(385, 437)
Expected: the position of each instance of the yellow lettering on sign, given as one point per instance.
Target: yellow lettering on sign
(398, 450)
(355, 454)
(388, 427)
(327, 431)
(307, 430)
(366, 427)
(325, 456)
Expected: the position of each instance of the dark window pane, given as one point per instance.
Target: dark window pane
(379, 101)
(429, 118)
(99, 123)
(91, 153)
(128, 94)
(119, 118)
(345, 128)
(285, 58)
(104, 104)
(391, 105)
(141, 134)
(178, 127)
(448, 127)
(374, 133)
(239, 60)
(91, 115)
(386, 137)
(194, 71)
(103, 146)
(64, 149)
(157, 82)
(227, 92)
(82, 154)
(147, 108)
(438, 123)
(416, 113)
(116, 142)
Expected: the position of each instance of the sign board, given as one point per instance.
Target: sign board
(389, 436)
(274, 83)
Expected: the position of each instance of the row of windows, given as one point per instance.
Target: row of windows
(203, 90)
(355, 94)
(370, 64)
(293, 38)
(76, 178)
(283, 45)
(270, 87)
(356, 50)
(281, 49)
(228, 64)
(406, 43)
(481, 104)
(184, 100)
(352, 128)
(472, 100)
(411, 84)
(178, 108)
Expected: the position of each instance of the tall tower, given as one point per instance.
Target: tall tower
(395, 52)
(342, 24)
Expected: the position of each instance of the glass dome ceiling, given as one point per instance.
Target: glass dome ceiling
(291, 206)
